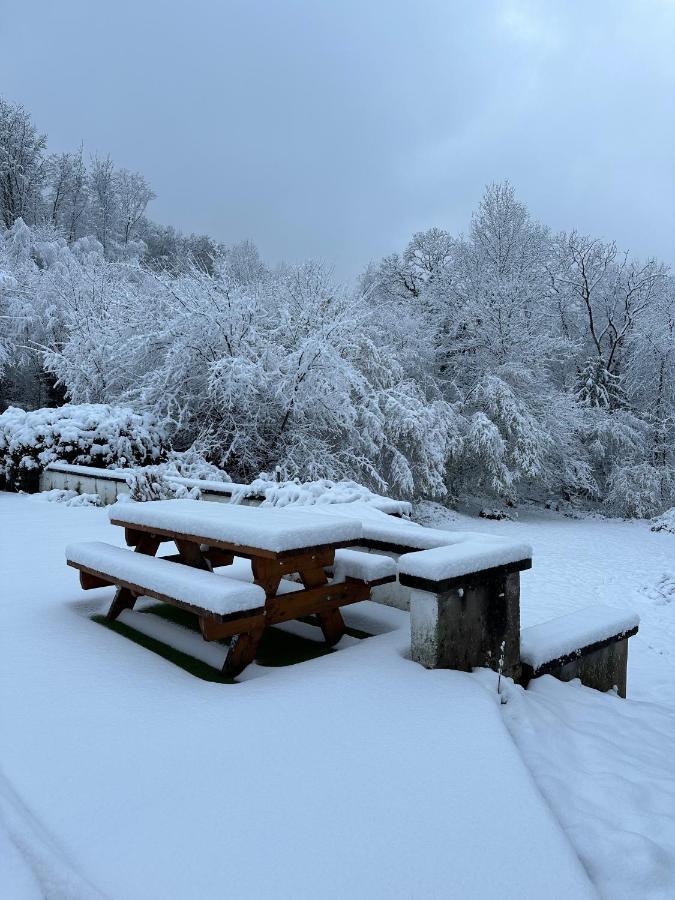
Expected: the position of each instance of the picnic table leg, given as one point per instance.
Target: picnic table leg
(147, 544)
(191, 555)
(331, 621)
(123, 599)
(265, 574)
(242, 651)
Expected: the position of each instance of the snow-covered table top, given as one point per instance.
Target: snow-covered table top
(268, 529)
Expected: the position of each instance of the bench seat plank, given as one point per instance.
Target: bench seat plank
(361, 566)
(194, 588)
(566, 637)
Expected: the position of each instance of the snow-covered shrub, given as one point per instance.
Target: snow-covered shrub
(310, 493)
(192, 464)
(635, 491)
(88, 434)
(665, 522)
(151, 483)
(498, 513)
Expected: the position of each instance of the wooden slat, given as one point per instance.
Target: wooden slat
(132, 536)
(191, 555)
(376, 582)
(89, 581)
(147, 544)
(213, 630)
(309, 602)
(218, 557)
(330, 620)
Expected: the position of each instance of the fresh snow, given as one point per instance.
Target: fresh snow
(322, 492)
(567, 634)
(69, 497)
(208, 590)
(356, 774)
(603, 763)
(378, 765)
(469, 553)
(275, 530)
(362, 566)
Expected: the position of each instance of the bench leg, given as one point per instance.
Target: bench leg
(332, 624)
(242, 651)
(123, 599)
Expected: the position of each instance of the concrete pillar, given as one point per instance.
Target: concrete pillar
(464, 627)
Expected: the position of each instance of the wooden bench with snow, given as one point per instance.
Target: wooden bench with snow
(280, 544)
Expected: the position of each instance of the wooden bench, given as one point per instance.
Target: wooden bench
(371, 569)
(234, 607)
(590, 644)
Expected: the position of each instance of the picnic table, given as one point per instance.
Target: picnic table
(282, 545)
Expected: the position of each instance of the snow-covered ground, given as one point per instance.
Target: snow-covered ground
(355, 774)
(604, 764)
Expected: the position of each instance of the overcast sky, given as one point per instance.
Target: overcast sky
(336, 129)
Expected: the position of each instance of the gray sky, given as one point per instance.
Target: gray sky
(336, 129)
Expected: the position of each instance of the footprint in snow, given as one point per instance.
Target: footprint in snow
(662, 591)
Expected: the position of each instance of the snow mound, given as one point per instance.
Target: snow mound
(276, 530)
(192, 465)
(69, 498)
(463, 553)
(662, 591)
(605, 766)
(311, 493)
(665, 522)
(193, 587)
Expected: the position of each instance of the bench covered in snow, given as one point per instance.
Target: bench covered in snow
(590, 644)
(198, 591)
(358, 565)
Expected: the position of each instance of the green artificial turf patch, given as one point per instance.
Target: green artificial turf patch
(189, 663)
(277, 646)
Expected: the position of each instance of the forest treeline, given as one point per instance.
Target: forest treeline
(510, 361)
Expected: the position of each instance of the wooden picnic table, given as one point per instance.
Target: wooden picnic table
(279, 543)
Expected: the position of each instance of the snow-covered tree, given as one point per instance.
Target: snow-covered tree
(22, 165)
(507, 361)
